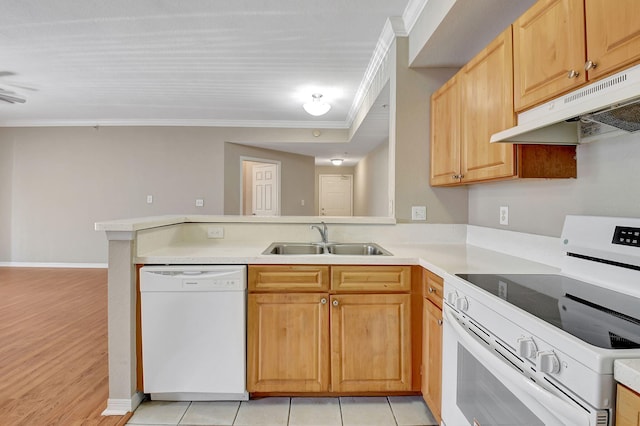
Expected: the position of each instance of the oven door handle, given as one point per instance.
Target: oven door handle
(567, 413)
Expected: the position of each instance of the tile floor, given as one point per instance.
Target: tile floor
(347, 411)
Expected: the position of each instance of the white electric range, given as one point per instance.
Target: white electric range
(538, 349)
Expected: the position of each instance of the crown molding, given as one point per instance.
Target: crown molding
(178, 123)
(412, 13)
(393, 27)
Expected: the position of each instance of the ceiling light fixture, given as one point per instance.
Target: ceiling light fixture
(336, 161)
(317, 106)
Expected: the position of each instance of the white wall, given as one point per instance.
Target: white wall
(371, 183)
(608, 184)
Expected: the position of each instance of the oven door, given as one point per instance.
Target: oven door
(480, 388)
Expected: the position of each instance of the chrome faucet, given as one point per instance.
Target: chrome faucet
(324, 232)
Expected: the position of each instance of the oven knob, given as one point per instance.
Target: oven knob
(452, 297)
(548, 362)
(527, 347)
(462, 304)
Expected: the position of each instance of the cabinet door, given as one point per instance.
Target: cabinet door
(628, 407)
(613, 35)
(445, 134)
(432, 357)
(370, 343)
(549, 42)
(288, 342)
(487, 107)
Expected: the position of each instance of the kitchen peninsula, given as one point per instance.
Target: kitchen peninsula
(442, 249)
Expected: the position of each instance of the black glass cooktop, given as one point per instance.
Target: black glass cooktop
(596, 315)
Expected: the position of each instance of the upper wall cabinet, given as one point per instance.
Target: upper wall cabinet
(468, 109)
(551, 38)
(613, 35)
(487, 108)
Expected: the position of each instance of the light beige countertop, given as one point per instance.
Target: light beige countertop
(627, 372)
(441, 259)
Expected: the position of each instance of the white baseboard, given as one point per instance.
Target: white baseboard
(120, 407)
(53, 265)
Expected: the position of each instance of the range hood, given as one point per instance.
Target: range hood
(606, 108)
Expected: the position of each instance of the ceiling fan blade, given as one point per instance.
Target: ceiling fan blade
(11, 99)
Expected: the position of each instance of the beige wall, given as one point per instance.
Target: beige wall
(411, 91)
(296, 180)
(607, 185)
(6, 190)
(371, 183)
(65, 179)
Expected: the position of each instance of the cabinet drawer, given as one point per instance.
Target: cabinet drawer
(288, 278)
(433, 287)
(371, 278)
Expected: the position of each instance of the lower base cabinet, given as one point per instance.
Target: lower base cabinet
(352, 337)
(288, 342)
(432, 358)
(370, 343)
(627, 407)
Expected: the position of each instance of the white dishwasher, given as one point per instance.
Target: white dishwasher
(193, 332)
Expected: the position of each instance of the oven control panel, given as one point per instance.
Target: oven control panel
(626, 236)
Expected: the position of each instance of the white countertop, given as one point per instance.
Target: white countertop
(441, 259)
(627, 372)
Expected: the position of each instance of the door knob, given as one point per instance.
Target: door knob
(573, 74)
(323, 300)
(335, 303)
(589, 65)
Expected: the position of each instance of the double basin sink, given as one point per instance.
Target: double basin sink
(353, 249)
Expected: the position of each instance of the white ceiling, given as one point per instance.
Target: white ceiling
(207, 62)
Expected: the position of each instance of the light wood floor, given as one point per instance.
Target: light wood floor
(53, 347)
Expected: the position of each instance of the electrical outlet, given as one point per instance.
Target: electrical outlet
(199, 202)
(215, 232)
(504, 215)
(149, 199)
(419, 213)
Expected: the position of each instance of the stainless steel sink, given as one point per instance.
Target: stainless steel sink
(294, 248)
(353, 249)
(357, 249)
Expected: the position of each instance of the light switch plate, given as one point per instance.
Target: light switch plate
(419, 213)
(149, 199)
(199, 202)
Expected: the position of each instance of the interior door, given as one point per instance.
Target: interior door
(336, 195)
(265, 190)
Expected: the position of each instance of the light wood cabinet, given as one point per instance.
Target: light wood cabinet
(432, 287)
(548, 44)
(445, 134)
(370, 343)
(485, 88)
(613, 35)
(370, 278)
(487, 108)
(551, 38)
(363, 315)
(431, 383)
(432, 358)
(288, 342)
(627, 407)
(299, 278)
